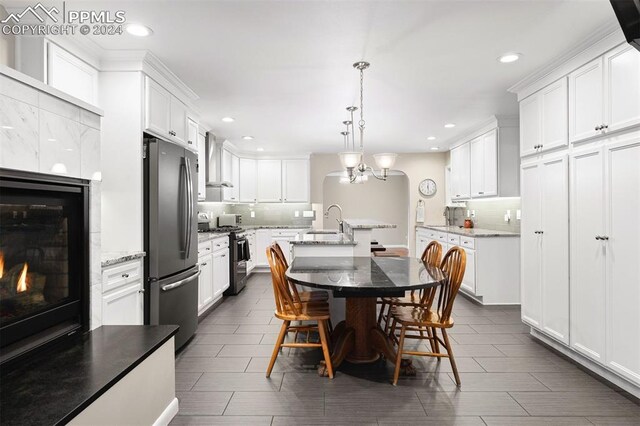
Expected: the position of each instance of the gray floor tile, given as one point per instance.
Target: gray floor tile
(284, 363)
(576, 404)
(511, 365)
(450, 404)
(245, 351)
(276, 404)
(242, 320)
(211, 365)
(500, 328)
(203, 403)
(571, 381)
(486, 339)
(431, 421)
(221, 420)
(471, 320)
(535, 421)
(393, 401)
(614, 421)
(463, 351)
(231, 339)
(503, 382)
(432, 365)
(201, 350)
(217, 328)
(523, 350)
(261, 328)
(323, 421)
(185, 381)
(238, 382)
(461, 329)
(506, 318)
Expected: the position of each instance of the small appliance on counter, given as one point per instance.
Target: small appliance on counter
(229, 220)
(203, 222)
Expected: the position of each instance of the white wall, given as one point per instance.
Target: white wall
(7, 44)
(122, 208)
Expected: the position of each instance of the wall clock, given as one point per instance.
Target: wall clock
(427, 187)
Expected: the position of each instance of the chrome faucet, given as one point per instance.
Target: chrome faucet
(340, 222)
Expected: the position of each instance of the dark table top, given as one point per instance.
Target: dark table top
(55, 385)
(364, 276)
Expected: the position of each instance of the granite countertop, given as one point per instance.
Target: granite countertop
(115, 257)
(364, 276)
(367, 224)
(55, 385)
(324, 240)
(251, 227)
(470, 232)
(206, 236)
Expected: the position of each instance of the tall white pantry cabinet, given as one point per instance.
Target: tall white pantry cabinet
(580, 190)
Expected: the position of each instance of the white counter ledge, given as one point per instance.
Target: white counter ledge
(323, 239)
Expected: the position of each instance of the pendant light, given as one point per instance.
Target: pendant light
(353, 160)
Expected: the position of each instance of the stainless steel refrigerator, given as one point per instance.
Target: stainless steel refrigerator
(171, 239)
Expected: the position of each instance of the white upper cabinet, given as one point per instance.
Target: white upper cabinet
(554, 116)
(604, 95)
(460, 172)
(202, 167)
(270, 182)
(235, 178)
(248, 180)
(295, 181)
(586, 112)
(167, 117)
(192, 132)
(484, 165)
(72, 75)
(157, 108)
(530, 125)
(622, 88)
(178, 120)
(543, 119)
(230, 173)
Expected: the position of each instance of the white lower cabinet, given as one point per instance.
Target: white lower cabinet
(122, 294)
(213, 260)
(251, 239)
(469, 279)
(605, 290)
(263, 240)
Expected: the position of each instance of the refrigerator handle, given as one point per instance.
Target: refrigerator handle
(190, 207)
(185, 206)
(180, 283)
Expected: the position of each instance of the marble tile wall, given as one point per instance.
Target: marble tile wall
(42, 133)
(265, 214)
(490, 214)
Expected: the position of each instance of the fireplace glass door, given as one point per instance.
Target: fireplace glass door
(42, 258)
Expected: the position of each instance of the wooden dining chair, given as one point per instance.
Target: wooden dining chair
(304, 296)
(431, 256)
(289, 308)
(417, 318)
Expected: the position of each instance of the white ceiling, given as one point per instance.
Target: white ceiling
(283, 69)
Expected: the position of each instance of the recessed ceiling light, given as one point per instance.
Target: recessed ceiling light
(260, 149)
(434, 148)
(139, 30)
(247, 138)
(449, 125)
(228, 119)
(431, 138)
(507, 58)
(7, 127)
(51, 140)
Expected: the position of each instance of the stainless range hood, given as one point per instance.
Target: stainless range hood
(214, 182)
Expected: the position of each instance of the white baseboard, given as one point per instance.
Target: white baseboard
(168, 414)
(601, 371)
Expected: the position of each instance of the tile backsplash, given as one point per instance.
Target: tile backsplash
(490, 214)
(265, 214)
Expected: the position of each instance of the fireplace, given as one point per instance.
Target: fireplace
(44, 260)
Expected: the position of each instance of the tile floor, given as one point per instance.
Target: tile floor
(507, 378)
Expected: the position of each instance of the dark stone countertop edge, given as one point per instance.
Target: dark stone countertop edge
(170, 332)
(119, 376)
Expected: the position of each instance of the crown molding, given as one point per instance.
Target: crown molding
(599, 41)
(493, 122)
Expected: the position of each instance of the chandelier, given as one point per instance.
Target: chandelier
(353, 160)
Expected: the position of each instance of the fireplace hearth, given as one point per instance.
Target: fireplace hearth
(44, 260)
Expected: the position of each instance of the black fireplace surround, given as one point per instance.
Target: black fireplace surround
(44, 261)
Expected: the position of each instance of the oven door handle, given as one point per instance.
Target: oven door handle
(181, 282)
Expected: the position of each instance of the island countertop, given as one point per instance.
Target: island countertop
(324, 239)
(470, 232)
(367, 224)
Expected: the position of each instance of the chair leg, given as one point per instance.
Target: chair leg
(381, 314)
(276, 349)
(324, 339)
(396, 373)
(431, 338)
(436, 344)
(451, 359)
(388, 321)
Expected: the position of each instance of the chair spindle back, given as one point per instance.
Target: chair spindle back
(453, 265)
(431, 256)
(287, 301)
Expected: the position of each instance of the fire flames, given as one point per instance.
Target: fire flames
(1, 264)
(22, 281)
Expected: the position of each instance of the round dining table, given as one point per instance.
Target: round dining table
(361, 280)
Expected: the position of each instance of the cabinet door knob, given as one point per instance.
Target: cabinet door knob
(605, 126)
(598, 237)
(125, 275)
(605, 238)
(204, 264)
(141, 291)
